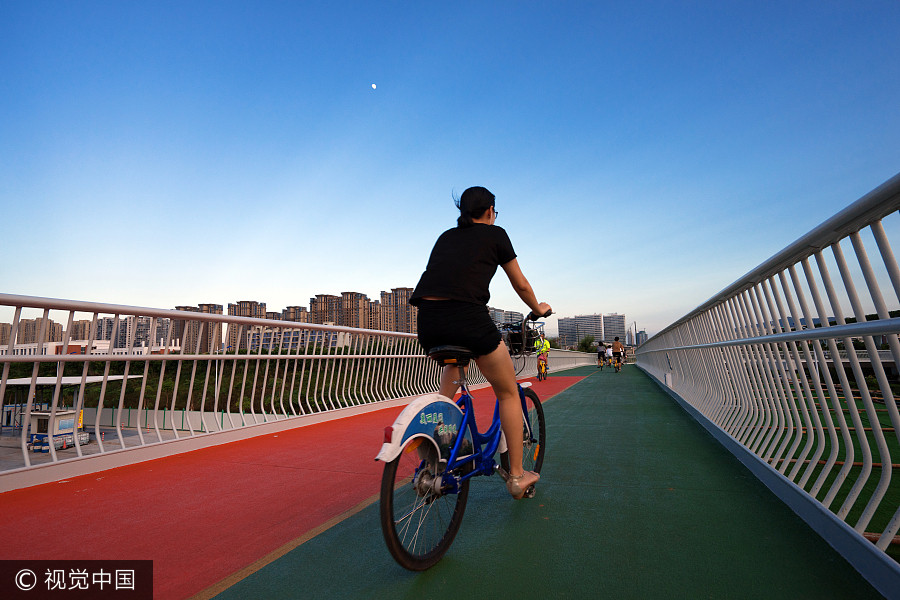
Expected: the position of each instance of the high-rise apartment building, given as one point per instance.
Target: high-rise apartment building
(497, 315)
(325, 308)
(512, 316)
(243, 308)
(5, 333)
(500, 316)
(212, 332)
(397, 314)
(591, 325)
(567, 334)
(54, 332)
(406, 315)
(137, 331)
(81, 330)
(386, 320)
(30, 331)
(189, 332)
(184, 331)
(354, 310)
(574, 329)
(163, 327)
(247, 308)
(604, 328)
(134, 332)
(613, 326)
(105, 328)
(297, 314)
(375, 315)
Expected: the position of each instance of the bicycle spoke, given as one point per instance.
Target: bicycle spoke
(418, 524)
(412, 542)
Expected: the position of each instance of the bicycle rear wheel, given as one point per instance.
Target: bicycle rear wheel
(417, 520)
(534, 434)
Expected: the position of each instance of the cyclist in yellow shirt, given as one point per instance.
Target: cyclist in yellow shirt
(542, 348)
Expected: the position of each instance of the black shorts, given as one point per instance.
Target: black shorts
(454, 323)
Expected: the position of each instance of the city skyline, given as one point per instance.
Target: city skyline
(602, 327)
(331, 310)
(644, 155)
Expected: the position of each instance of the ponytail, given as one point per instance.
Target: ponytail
(473, 203)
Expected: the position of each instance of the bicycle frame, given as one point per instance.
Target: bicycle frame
(432, 451)
(421, 417)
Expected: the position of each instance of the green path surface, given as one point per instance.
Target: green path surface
(636, 501)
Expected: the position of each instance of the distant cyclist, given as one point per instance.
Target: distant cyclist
(601, 355)
(542, 348)
(618, 350)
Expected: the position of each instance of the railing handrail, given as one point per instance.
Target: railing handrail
(269, 376)
(869, 209)
(876, 327)
(136, 311)
(807, 401)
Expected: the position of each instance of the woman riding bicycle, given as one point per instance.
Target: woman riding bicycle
(452, 297)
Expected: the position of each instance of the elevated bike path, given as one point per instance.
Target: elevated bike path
(636, 501)
(206, 518)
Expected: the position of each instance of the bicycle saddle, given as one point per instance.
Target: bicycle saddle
(451, 355)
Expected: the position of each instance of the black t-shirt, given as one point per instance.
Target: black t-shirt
(463, 262)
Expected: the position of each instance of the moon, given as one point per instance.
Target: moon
(373, 86)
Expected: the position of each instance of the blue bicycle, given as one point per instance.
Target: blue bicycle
(431, 453)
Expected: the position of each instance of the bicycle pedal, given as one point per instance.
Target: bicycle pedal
(529, 493)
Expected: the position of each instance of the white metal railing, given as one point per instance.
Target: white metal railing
(775, 364)
(164, 375)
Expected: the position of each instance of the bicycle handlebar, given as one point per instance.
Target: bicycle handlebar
(533, 317)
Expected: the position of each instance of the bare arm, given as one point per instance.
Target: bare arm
(523, 288)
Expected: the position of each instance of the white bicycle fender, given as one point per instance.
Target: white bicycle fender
(430, 416)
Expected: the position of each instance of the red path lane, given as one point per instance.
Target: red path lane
(204, 515)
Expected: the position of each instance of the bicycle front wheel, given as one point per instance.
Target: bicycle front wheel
(534, 435)
(519, 362)
(417, 520)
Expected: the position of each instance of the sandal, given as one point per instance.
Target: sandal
(517, 488)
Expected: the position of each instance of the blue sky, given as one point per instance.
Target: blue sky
(644, 155)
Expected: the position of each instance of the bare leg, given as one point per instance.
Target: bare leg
(498, 369)
(450, 380)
